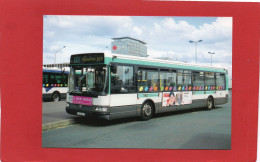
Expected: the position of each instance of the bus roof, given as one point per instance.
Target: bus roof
(160, 62)
(55, 70)
(127, 59)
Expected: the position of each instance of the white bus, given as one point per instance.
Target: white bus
(55, 84)
(114, 86)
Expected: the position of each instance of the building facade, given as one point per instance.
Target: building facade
(129, 46)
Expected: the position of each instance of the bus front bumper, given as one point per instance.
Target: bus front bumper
(87, 111)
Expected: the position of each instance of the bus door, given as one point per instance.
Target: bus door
(123, 94)
(148, 85)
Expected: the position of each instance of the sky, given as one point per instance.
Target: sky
(165, 37)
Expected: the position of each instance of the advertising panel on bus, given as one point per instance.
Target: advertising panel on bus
(177, 98)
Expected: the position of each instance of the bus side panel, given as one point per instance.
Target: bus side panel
(221, 97)
(123, 105)
(45, 95)
(199, 100)
(47, 92)
(156, 98)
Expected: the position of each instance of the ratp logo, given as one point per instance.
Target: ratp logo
(114, 47)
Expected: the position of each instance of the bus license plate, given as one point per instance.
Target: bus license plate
(81, 114)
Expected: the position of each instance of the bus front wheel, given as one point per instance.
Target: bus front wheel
(210, 103)
(55, 97)
(147, 111)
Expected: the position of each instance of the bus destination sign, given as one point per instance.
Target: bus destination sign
(87, 58)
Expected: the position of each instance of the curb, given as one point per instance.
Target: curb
(58, 124)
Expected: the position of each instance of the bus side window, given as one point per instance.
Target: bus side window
(220, 81)
(45, 79)
(113, 80)
(122, 79)
(148, 80)
(210, 81)
(58, 78)
(52, 79)
(198, 81)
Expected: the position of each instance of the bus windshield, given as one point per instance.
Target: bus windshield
(88, 81)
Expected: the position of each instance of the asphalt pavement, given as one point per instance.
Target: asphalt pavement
(54, 115)
(188, 129)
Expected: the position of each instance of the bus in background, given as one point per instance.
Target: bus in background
(55, 84)
(114, 86)
(230, 84)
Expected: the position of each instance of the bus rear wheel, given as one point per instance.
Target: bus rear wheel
(210, 103)
(147, 111)
(55, 97)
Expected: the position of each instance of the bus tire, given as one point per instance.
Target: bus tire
(147, 111)
(55, 96)
(210, 103)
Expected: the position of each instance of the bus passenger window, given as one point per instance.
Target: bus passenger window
(148, 81)
(167, 81)
(198, 81)
(220, 81)
(45, 79)
(184, 80)
(122, 79)
(210, 81)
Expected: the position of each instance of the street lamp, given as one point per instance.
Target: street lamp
(211, 53)
(56, 53)
(195, 42)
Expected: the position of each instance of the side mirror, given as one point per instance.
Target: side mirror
(113, 69)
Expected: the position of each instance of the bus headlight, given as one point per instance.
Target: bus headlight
(104, 109)
(67, 104)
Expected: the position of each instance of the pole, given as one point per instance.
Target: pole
(195, 52)
(56, 53)
(211, 60)
(195, 42)
(211, 53)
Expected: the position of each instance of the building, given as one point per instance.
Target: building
(122, 45)
(129, 46)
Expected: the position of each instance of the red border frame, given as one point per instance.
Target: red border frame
(21, 41)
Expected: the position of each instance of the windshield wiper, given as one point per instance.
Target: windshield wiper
(73, 92)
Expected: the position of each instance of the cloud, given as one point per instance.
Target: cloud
(137, 30)
(165, 36)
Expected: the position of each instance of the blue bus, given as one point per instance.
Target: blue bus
(55, 84)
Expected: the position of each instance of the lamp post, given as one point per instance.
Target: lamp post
(56, 53)
(211, 53)
(195, 42)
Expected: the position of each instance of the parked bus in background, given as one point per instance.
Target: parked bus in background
(114, 86)
(55, 84)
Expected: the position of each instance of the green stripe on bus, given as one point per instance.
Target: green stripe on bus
(210, 92)
(143, 95)
(198, 92)
(164, 65)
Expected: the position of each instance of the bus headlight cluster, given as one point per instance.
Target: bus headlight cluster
(104, 109)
